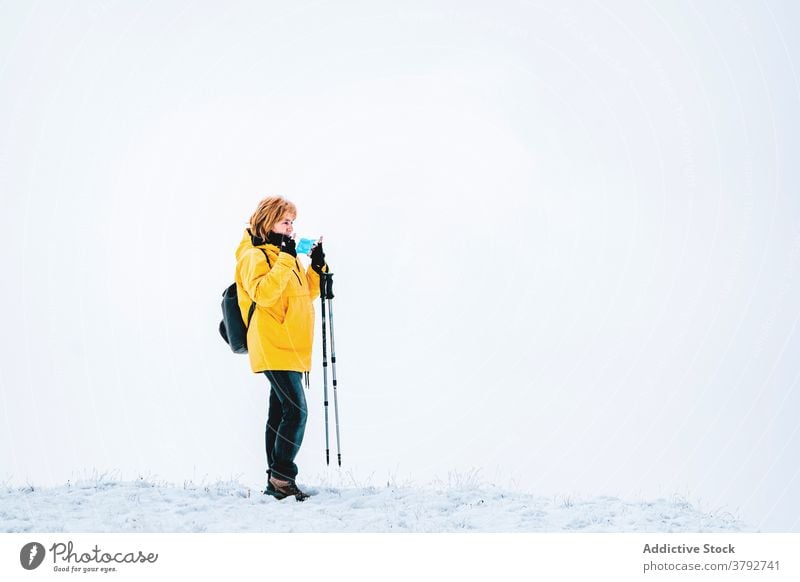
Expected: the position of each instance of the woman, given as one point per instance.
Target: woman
(281, 330)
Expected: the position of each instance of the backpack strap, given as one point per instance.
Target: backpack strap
(266, 257)
(253, 304)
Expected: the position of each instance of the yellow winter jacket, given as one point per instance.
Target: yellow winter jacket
(281, 330)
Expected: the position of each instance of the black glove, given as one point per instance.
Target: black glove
(288, 246)
(317, 257)
(284, 242)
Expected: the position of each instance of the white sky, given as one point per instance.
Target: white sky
(566, 239)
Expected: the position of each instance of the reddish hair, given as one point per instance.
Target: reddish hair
(269, 212)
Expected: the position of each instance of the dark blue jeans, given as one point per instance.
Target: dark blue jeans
(286, 422)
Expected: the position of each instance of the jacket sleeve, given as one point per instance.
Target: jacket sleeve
(313, 280)
(262, 284)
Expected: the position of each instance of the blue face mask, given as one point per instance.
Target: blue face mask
(304, 245)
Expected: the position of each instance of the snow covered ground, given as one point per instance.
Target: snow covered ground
(107, 505)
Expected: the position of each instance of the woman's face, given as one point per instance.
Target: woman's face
(285, 225)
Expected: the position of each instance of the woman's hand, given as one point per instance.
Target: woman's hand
(288, 245)
(317, 256)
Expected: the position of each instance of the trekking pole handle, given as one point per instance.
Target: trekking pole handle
(326, 285)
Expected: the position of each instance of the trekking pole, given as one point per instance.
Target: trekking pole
(322, 277)
(329, 297)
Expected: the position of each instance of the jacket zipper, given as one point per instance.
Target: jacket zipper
(295, 272)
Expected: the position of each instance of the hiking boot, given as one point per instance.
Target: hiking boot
(281, 489)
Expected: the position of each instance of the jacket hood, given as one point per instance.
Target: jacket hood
(250, 242)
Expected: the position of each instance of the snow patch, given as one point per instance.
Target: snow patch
(229, 506)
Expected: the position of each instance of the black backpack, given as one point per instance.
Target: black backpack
(232, 329)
